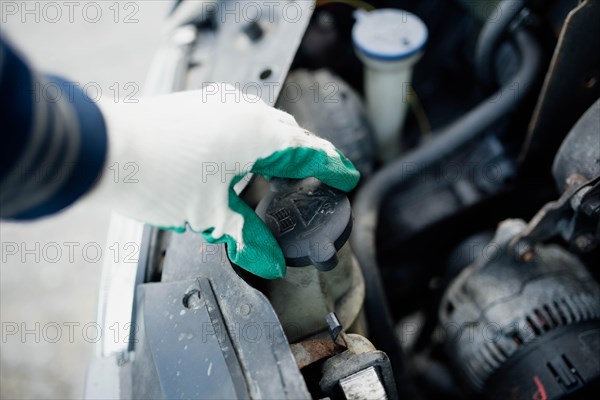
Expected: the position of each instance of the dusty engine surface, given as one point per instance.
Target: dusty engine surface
(465, 264)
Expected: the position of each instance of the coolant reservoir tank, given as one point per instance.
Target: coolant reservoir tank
(310, 220)
(389, 42)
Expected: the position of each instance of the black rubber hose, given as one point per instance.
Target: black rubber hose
(444, 143)
(492, 34)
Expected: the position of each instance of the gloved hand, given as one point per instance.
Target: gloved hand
(181, 155)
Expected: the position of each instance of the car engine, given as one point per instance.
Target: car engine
(464, 265)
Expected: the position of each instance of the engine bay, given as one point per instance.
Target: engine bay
(464, 265)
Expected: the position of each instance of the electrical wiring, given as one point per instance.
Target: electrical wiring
(353, 3)
(419, 112)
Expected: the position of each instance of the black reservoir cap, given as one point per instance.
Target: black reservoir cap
(310, 220)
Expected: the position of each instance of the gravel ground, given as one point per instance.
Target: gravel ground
(50, 269)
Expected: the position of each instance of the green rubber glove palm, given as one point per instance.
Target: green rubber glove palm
(192, 150)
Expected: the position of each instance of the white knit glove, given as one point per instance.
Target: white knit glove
(180, 156)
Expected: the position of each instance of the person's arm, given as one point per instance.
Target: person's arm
(54, 140)
(180, 157)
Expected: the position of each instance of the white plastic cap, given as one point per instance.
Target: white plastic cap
(388, 34)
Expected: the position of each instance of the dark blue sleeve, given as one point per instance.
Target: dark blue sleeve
(54, 140)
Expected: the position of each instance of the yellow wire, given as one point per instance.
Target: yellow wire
(353, 3)
(419, 112)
